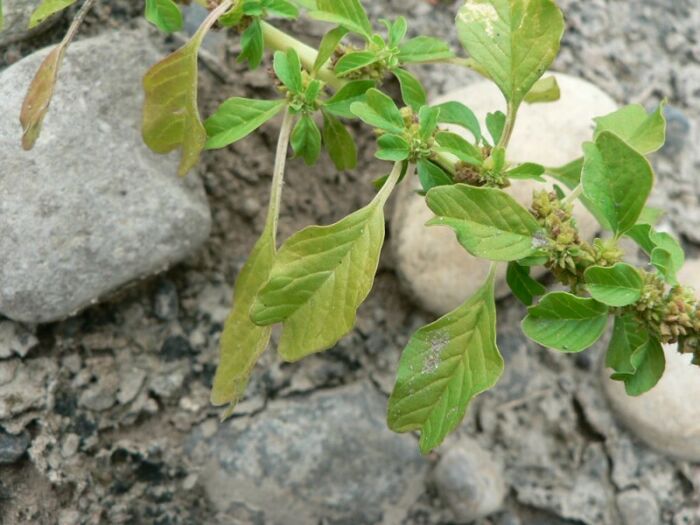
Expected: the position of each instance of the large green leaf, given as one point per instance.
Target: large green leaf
(379, 111)
(412, 90)
(644, 132)
(444, 366)
(524, 287)
(321, 276)
(628, 335)
(565, 322)
(170, 112)
(47, 8)
(347, 13)
(489, 223)
(306, 140)
(515, 41)
(617, 180)
(237, 118)
(457, 113)
(164, 14)
(619, 285)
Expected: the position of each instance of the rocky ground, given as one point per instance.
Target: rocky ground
(104, 416)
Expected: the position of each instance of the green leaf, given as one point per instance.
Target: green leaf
(287, 67)
(495, 123)
(339, 104)
(524, 287)
(445, 365)
(237, 118)
(489, 223)
(47, 8)
(565, 322)
(628, 335)
(252, 44)
(644, 132)
(460, 115)
(306, 140)
(328, 45)
(164, 14)
(662, 260)
(351, 62)
(649, 362)
(412, 90)
(428, 121)
(650, 240)
(432, 175)
(321, 276)
(459, 147)
(339, 143)
(347, 13)
(544, 90)
(619, 285)
(282, 8)
(397, 31)
(242, 341)
(650, 216)
(379, 111)
(170, 113)
(527, 170)
(424, 49)
(569, 174)
(617, 180)
(515, 41)
(393, 148)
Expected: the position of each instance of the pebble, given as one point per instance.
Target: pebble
(432, 265)
(12, 448)
(469, 482)
(165, 302)
(15, 340)
(638, 507)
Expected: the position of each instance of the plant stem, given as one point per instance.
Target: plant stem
(273, 211)
(571, 197)
(390, 183)
(512, 112)
(281, 41)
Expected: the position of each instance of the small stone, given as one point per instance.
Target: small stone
(165, 303)
(469, 482)
(71, 443)
(176, 347)
(15, 340)
(69, 517)
(638, 507)
(250, 207)
(167, 384)
(131, 382)
(12, 448)
(434, 267)
(98, 398)
(28, 388)
(190, 482)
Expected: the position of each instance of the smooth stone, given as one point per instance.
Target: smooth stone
(90, 208)
(325, 458)
(433, 266)
(469, 482)
(16, 15)
(638, 507)
(667, 418)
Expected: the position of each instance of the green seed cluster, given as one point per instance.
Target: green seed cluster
(484, 176)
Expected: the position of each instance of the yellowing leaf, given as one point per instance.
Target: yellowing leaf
(170, 114)
(46, 9)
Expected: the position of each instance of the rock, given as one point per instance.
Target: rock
(12, 448)
(25, 385)
(638, 507)
(90, 208)
(324, 458)
(469, 482)
(16, 21)
(431, 263)
(165, 303)
(15, 340)
(665, 417)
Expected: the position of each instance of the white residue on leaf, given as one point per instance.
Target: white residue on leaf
(438, 341)
(481, 13)
(539, 240)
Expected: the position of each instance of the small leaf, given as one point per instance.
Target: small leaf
(650, 216)
(515, 41)
(287, 67)
(339, 104)
(428, 120)
(393, 148)
(569, 174)
(432, 175)
(544, 90)
(379, 111)
(237, 118)
(611, 169)
(489, 223)
(619, 285)
(347, 13)
(662, 260)
(524, 287)
(527, 170)
(165, 15)
(565, 322)
(495, 123)
(459, 147)
(671, 256)
(47, 8)
(321, 276)
(339, 143)
(649, 363)
(628, 335)
(424, 49)
(252, 44)
(282, 8)
(306, 140)
(412, 90)
(351, 62)
(460, 115)
(397, 31)
(645, 133)
(445, 365)
(328, 45)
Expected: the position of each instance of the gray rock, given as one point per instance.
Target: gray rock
(12, 448)
(15, 340)
(469, 482)
(638, 507)
(24, 385)
(16, 24)
(325, 458)
(165, 302)
(90, 208)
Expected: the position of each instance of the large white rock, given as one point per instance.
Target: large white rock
(432, 264)
(667, 417)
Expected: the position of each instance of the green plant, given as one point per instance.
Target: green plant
(313, 284)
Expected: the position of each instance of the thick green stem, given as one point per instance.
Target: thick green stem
(273, 210)
(280, 41)
(510, 125)
(571, 197)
